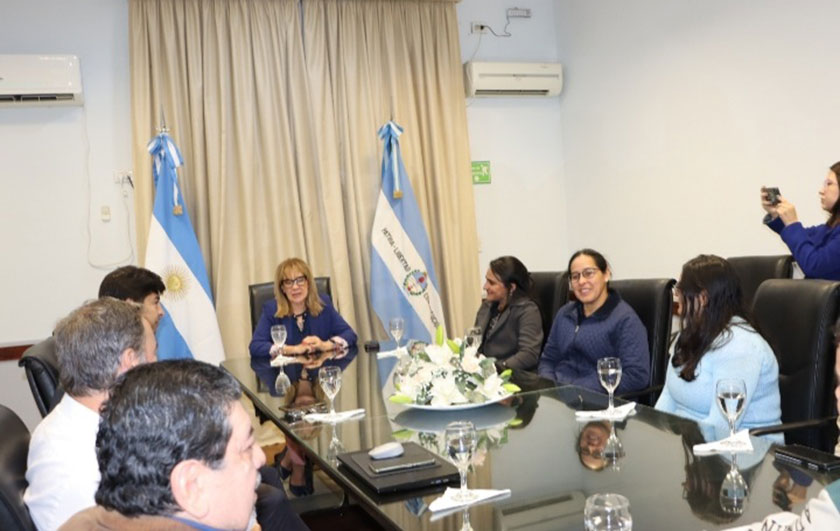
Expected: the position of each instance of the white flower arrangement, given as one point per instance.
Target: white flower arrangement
(447, 373)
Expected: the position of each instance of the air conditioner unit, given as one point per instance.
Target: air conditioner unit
(40, 80)
(513, 79)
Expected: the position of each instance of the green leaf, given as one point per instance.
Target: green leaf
(506, 373)
(453, 346)
(403, 434)
(511, 387)
(514, 423)
(439, 335)
(400, 399)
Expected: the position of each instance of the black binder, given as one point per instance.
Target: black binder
(439, 473)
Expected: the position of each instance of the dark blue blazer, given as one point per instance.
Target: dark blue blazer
(325, 325)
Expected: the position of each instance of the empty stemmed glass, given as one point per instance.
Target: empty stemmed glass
(396, 327)
(609, 373)
(733, 490)
(731, 398)
(461, 441)
(330, 379)
(278, 336)
(607, 512)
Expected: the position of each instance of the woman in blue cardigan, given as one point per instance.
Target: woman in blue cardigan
(598, 324)
(816, 249)
(316, 331)
(718, 341)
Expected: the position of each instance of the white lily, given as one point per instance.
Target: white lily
(439, 354)
(492, 387)
(445, 392)
(470, 361)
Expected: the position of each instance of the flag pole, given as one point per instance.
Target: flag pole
(162, 127)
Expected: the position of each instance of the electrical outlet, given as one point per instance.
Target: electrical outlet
(122, 176)
(478, 27)
(518, 12)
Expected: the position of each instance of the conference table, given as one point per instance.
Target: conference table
(533, 445)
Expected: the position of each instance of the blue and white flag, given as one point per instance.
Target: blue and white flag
(189, 328)
(402, 275)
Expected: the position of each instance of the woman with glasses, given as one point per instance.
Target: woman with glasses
(510, 321)
(717, 341)
(816, 249)
(316, 334)
(597, 324)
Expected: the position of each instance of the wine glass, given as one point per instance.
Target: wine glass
(396, 327)
(461, 441)
(465, 519)
(731, 395)
(472, 337)
(613, 449)
(278, 334)
(607, 512)
(609, 372)
(282, 383)
(733, 490)
(330, 378)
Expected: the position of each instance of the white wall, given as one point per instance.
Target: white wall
(522, 212)
(56, 160)
(676, 112)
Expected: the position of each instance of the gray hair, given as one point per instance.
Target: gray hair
(90, 341)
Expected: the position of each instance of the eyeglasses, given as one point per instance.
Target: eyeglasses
(289, 282)
(587, 274)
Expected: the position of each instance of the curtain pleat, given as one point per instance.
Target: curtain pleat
(275, 105)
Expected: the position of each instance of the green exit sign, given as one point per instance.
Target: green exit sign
(481, 171)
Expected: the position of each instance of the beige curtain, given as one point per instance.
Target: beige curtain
(276, 111)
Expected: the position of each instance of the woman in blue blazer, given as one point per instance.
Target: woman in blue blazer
(314, 330)
(816, 249)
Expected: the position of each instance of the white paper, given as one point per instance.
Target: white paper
(617, 414)
(738, 443)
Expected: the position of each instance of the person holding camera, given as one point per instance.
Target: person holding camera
(816, 249)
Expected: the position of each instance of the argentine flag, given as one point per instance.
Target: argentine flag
(402, 276)
(189, 328)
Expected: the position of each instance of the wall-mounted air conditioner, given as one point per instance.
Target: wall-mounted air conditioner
(513, 79)
(40, 80)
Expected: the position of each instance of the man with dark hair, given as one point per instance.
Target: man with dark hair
(96, 343)
(136, 284)
(176, 450)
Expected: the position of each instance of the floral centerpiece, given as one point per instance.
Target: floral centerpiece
(448, 373)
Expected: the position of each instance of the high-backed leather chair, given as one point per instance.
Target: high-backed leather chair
(753, 270)
(652, 299)
(40, 363)
(797, 318)
(259, 294)
(550, 290)
(14, 446)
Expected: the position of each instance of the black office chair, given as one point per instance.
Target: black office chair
(14, 446)
(652, 299)
(753, 270)
(550, 290)
(797, 317)
(41, 365)
(259, 294)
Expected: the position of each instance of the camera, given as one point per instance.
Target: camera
(773, 195)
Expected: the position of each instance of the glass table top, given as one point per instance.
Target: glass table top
(533, 445)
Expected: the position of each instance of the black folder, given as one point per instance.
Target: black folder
(439, 473)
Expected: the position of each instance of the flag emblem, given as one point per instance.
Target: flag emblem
(416, 282)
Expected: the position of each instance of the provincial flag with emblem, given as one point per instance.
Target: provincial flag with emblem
(189, 328)
(402, 276)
